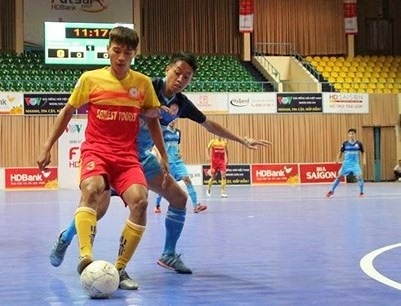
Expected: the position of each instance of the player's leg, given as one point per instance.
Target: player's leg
(176, 212)
(92, 189)
(213, 174)
(135, 197)
(174, 223)
(223, 171)
(158, 202)
(67, 235)
(358, 173)
(180, 172)
(343, 171)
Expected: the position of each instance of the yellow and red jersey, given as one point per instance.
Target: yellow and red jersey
(114, 109)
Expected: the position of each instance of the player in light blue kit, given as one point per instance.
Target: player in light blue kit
(172, 140)
(351, 149)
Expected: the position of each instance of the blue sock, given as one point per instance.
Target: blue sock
(69, 232)
(360, 184)
(175, 220)
(192, 194)
(113, 193)
(158, 200)
(335, 184)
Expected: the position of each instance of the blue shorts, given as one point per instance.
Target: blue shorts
(151, 166)
(178, 170)
(348, 169)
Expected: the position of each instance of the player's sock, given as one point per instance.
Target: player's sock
(129, 240)
(223, 185)
(69, 233)
(335, 184)
(175, 219)
(158, 200)
(192, 194)
(360, 184)
(209, 184)
(85, 223)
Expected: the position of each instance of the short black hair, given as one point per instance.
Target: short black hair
(189, 58)
(124, 36)
(352, 130)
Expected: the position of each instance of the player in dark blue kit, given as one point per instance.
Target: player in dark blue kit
(172, 139)
(351, 149)
(169, 89)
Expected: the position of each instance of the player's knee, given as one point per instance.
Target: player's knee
(91, 194)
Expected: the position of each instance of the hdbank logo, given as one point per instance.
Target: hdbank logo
(89, 6)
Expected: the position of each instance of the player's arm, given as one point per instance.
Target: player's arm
(209, 151)
(58, 128)
(339, 155)
(217, 129)
(157, 137)
(226, 155)
(363, 155)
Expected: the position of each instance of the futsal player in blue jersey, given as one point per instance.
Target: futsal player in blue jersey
(351, 150)
(172, 140)
(174, 104)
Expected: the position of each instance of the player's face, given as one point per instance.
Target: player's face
(178, 76)
(351, 136)
(120, 59)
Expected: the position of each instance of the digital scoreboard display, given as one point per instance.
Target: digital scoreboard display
(72, 43)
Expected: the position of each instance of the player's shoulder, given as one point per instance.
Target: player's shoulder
(93, 72)
(140, 76)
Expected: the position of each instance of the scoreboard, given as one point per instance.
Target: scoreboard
(72, 43)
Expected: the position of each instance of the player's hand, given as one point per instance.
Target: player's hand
(43, 160)
(254, 143)
(153, 112)
(166, 109)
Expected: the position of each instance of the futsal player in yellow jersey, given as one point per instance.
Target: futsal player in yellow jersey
(218, 156)
(116, 96)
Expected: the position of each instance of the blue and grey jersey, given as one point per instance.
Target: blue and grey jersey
(184, 109)
(351, 152)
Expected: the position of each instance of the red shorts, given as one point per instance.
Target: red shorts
(120, 172)
(218, 165)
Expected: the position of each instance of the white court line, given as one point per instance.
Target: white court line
(366, 265)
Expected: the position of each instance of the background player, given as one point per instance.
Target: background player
(351, 149)
(172, 140)
(218, 156)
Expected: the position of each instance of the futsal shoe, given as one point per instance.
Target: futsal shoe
(83, 263)
(58, 251)
(329, 194)
(174, 263)
(126, 282)
(224, 195)
(157, 210)
(198, 208)
(361, 194)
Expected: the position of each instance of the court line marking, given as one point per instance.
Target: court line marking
(366, 265)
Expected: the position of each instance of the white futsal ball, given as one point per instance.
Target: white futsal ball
(100, 279)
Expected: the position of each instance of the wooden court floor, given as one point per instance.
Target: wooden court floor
(276, 245)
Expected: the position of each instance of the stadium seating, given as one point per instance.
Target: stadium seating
(27, 73)
(369, 74)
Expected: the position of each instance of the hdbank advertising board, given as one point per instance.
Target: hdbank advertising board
(69, 145)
